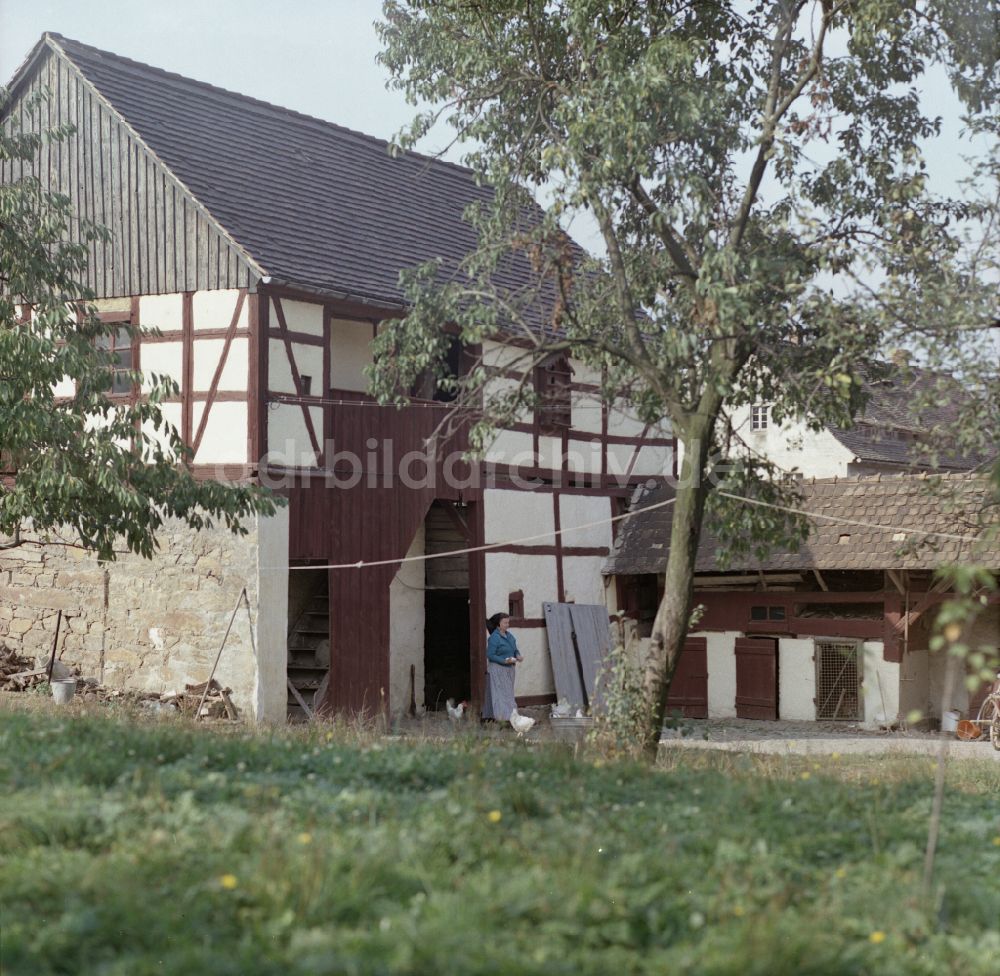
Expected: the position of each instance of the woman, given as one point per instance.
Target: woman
(502, 657)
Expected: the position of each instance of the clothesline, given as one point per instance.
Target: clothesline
(907, 531)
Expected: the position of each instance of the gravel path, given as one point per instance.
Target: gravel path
(816, 738)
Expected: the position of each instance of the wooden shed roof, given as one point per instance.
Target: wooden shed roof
(868, 523)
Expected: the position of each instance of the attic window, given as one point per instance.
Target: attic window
(758, 417)
(552, 387)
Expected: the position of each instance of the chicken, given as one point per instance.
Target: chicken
(520, 723)
(455, 712)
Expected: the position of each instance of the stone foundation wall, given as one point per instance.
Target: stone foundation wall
(149, 625)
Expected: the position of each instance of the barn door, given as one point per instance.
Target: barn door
(689, 689)
(757, 678)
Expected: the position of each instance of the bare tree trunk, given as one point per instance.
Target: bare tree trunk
(671, 622)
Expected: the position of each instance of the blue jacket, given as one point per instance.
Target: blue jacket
(499, 647)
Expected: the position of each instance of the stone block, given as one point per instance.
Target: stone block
(20, 625)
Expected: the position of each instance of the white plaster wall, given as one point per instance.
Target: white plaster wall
(654, 461)
(880, 687)
(534, 674)
(793, 446)
(163, 312)
(585, 456)
(214, 309)
(288, 437)
(721, 661)
(582, 579)
(225, 438)
(583, 510)
(796, 679)
(271, 618)
(352, 352)
(207, 352)
(587, 412)
(301, 316)
(512, 515)
(534, 575)
(511, 447)
(308, 359)
(550, 452)
(622, 421)
(406, 630)
(162, 358)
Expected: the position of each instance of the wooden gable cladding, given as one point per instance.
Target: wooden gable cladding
(162, 239)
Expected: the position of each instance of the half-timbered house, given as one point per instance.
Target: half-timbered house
(259, 250)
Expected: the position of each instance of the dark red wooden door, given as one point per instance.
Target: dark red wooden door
(689, 689)
(757, 677)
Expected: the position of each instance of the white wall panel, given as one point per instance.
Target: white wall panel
(511, 447)
(235, 374)
(214, 309)
(507, 572)
(351, 353)
(163, 312)
(880, 686)
(225, 438)
(300, 316)
(288, 437)
(582, 581)
(582, 510)
(514, 514)
(721, 662)
(406, 630)
(162, 358)
(308, 360)
(796, 679)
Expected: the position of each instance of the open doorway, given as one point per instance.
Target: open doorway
(308, 646)
(447, 672)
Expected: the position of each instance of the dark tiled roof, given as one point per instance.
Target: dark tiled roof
(906, 506)
(892, 410)
(312, 203)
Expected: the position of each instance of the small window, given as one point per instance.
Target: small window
(775, 613)
(118, 346)
(515, 604)
(307, 382)
(552, 387)
(758, 417)
(758, 613)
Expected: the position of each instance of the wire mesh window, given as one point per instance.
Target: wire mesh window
(838, 680)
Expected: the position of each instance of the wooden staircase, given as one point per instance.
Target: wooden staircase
(309, 653)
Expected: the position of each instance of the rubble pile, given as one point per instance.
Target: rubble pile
(21, 674)
(18, 673)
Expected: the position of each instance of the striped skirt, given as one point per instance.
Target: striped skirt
(499, 699)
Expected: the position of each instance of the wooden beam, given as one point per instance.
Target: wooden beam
(896, 579)
(214, 388)
(296, 378)
(820, 580)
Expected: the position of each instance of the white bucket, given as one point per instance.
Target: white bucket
(949, 721)
(63, 689)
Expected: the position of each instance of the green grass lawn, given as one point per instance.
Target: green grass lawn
(131, 848)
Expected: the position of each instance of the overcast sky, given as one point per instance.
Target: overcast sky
(315, 56)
